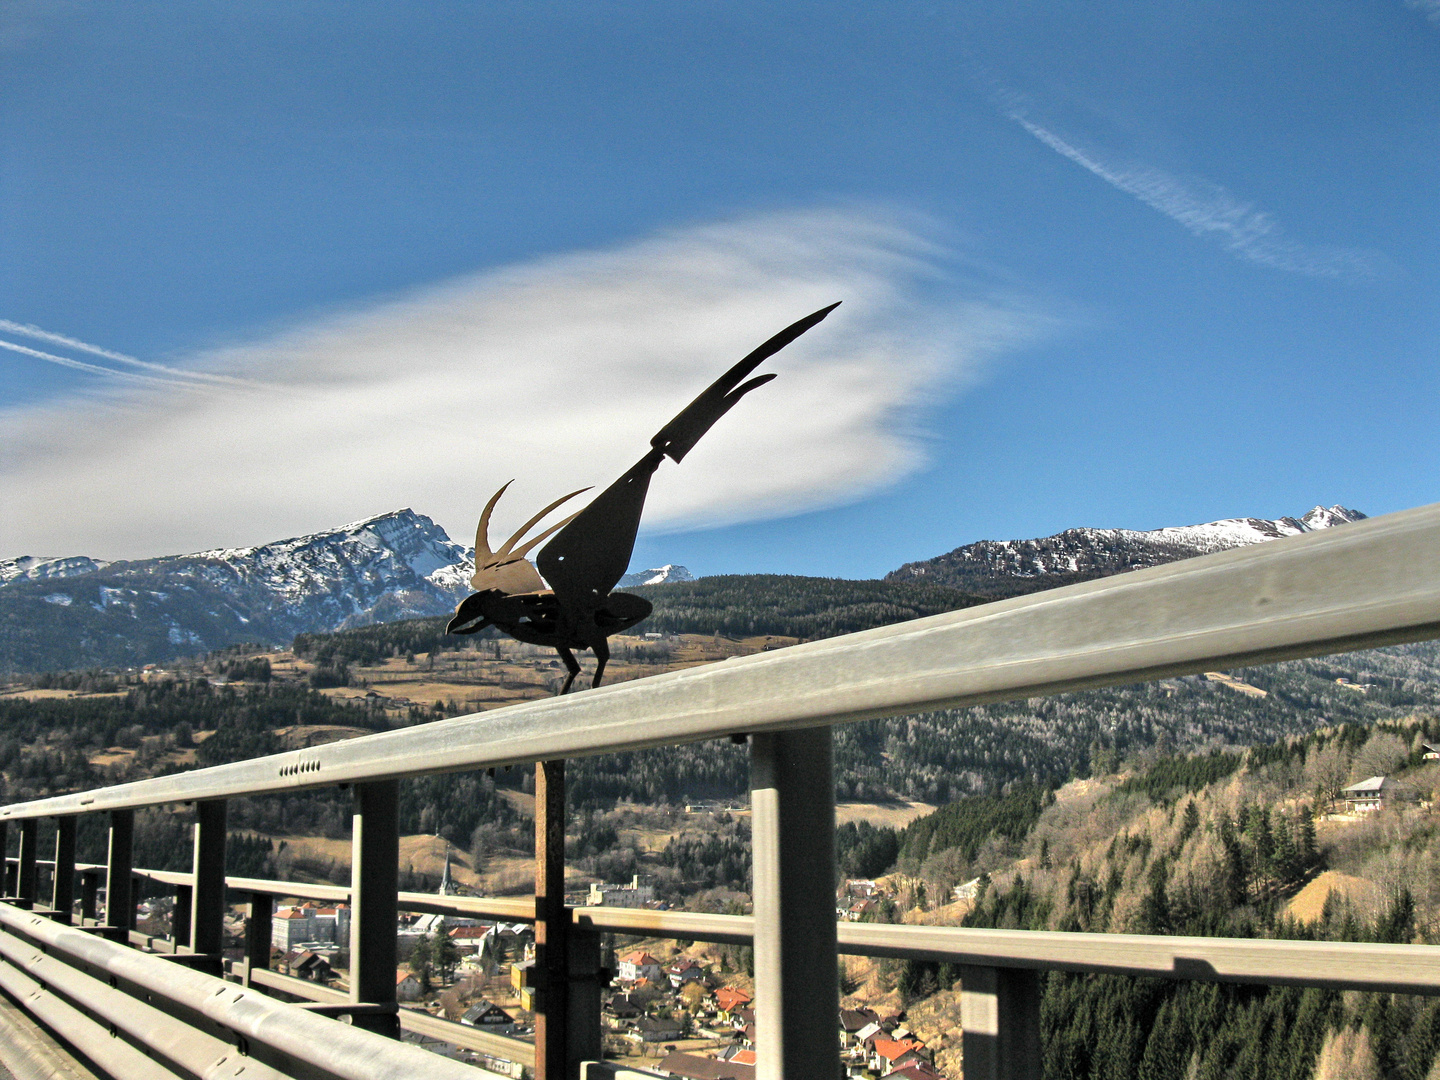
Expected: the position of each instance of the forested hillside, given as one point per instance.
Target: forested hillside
(1205, 844)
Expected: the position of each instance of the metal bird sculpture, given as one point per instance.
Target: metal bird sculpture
(573, 606)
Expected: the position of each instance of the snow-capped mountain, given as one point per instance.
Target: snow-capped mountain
(68, 613)
(394, 566)
(660, 575)
(992, 566)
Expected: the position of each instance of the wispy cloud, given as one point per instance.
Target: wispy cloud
(1429, 8)
(35, 332)
(1208, 210)
(556, 372)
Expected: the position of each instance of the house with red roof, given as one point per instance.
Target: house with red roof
(728, 999)
(888, 1054)
(407, 986)
(638, 965)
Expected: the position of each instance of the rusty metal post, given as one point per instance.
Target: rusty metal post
(62, 884)
(29, 872)
(207, 898)
(258, 924)
(374, 881)
(797, 988)
(1000, 1022)
(119, 894)
(551, 924)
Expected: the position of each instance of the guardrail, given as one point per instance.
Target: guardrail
(1370, 583)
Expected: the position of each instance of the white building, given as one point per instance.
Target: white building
(1369, 795)
(291, 927)
(632, 895)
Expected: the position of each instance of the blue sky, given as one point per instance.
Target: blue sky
(1102, 264)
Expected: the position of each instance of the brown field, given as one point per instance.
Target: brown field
(475, 680)
(19, 692)
(502, 875)
(1309, 902)
(891, 815)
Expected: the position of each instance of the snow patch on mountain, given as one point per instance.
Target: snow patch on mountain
(45, 568)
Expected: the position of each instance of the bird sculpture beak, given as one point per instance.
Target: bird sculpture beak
(468, 611)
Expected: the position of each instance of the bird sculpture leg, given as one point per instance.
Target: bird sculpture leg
(602, 656)
(571, 665)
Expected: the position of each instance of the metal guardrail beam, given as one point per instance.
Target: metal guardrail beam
(1364, 584)
(462, 1035)
(1401, 969)
(340, 1050)
(1336, 965)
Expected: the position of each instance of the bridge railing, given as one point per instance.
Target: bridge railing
(1366, 584)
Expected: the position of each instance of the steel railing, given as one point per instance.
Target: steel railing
(1365, 584)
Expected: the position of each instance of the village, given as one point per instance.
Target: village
(666, 1012)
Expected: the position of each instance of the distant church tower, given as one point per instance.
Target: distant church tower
(447, 883)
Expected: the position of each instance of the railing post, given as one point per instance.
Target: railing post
(207, 898)
(583, 1005)
(6, 889)
(29, 873)
(797, 993)
(374, 881)
(119, 896)
(551, 924)
(1000, 1020)
(257, 933)
(62, 885)
(89, 895)
(180, 925)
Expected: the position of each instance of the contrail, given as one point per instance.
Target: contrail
(1209, 210)
(95, 350)
(94, 369)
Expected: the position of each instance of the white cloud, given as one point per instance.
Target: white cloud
(1208, 210)
(555, 372)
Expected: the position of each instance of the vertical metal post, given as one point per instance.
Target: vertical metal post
(62, 885)
(374, 880)
(119, 897)
(583, 1004)
(89, 895)
(180, 916)
(551, 923)
(797, 992)
(1000, 1021)
(207, 899)
(5, 888)
(257, 932)
(29, 873)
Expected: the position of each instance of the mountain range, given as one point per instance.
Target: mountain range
(78, 612)
(1010, 567)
